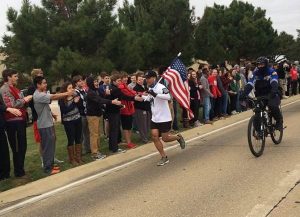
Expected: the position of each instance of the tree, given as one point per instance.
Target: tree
(234, 32)
(60, 36)
(155, 35)
(27, 47)
(287, 45)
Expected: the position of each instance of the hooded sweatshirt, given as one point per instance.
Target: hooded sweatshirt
(128, 109)
(94, 100)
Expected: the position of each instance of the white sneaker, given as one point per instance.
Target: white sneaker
(56, 161)
(197, 124)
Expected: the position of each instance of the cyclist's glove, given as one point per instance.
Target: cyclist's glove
(274, 90)
(245, 93)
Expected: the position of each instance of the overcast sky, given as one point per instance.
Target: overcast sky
(285, 14)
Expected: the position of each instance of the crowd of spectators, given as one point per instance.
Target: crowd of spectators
(111, 104)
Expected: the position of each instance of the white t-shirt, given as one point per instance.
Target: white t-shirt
(159, 104)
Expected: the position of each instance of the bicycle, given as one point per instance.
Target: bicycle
(265, 126)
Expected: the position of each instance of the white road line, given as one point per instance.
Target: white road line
(103, 173)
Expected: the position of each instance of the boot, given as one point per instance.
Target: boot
(78, 153)
(71, 155)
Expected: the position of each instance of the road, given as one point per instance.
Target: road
(214, 176)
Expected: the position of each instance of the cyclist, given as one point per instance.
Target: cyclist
(265, 82)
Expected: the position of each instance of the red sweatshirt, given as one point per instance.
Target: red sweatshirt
(294, 74)
(129, 105)
(212, 80)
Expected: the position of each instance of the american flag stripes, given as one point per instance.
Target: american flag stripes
(176, 75)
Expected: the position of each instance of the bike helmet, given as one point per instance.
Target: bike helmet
(262, 60)
(280, 59)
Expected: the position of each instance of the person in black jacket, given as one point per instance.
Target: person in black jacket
(78, 83)
(142, 113)
(113, 112)
(194, 85)
(4, 151)
(94, 113)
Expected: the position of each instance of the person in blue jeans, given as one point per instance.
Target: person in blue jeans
(205, 94)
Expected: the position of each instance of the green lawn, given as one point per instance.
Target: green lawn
(33, 162)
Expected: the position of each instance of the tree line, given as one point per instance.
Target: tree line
(63, 36)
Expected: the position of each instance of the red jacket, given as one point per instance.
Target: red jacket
(294, 74)
(129, 105)
(212, 80)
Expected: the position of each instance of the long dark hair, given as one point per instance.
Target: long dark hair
(64, 88)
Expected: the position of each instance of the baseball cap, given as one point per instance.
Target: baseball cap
(150, 74)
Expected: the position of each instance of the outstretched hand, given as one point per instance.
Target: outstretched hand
(116, 102)
(138, 98)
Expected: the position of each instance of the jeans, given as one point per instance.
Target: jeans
(74, 131)
(233, 103)
(238, 103)
(224, 103)
(213, 102)
(206, 108)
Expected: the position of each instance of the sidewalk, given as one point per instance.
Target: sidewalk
(51, 183)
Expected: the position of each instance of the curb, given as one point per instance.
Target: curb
(42, 186)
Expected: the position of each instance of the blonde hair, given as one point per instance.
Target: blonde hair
(35, 72)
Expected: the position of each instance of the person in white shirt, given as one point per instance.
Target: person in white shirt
(161, 120)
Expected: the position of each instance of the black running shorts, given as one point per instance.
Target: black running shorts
(163, 127)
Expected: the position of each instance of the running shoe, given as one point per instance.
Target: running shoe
(53, 171)
(163, 161)
(99, 156)
(58, 161)
(120, 151)
(181, 141)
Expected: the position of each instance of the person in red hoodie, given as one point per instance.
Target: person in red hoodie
(212, 80)
(294, 79)
(127, 111)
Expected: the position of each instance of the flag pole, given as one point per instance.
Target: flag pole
(178, 55)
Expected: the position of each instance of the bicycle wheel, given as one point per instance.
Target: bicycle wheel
(276, 135)
(256, 142)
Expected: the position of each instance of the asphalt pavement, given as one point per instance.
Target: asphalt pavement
(215, 175)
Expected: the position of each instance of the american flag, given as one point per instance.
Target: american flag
(176, 75)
